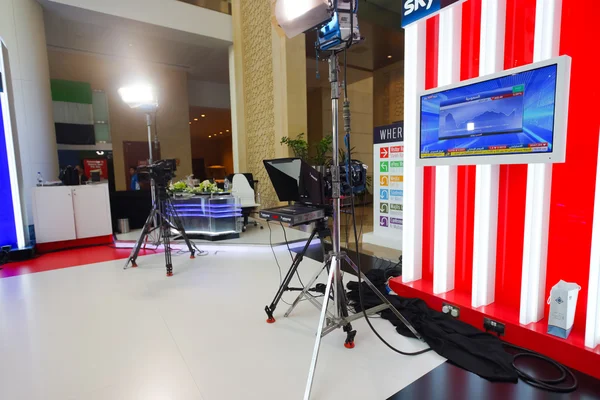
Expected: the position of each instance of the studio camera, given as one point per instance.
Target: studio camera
(161, 171)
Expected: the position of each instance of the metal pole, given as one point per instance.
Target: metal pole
(334, 279)
(335, 173)
(150, 162)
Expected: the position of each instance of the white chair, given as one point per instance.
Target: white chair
(240, 188)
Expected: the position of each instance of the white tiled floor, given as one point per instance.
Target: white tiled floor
(253, 235)
(100, 333)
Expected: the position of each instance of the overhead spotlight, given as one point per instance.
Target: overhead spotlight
(140, 96)
(100, 152)
(190, 122)
(209, 136)
(220, 133)
(195, 119)
(296, 16)
(203, 115)
(226, 130)
(389, 56)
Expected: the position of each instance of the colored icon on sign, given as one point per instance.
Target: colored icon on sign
(384, 152)
(384, 194)
(396, 207)
(384, 221)
(384, 180)
(384, 166)
(384, 208)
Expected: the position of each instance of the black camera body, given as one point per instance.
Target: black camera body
(161, 171)
(353, 179)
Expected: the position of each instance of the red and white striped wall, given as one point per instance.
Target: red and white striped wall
(496, 238)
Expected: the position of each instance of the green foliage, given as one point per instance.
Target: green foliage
(299, 146)
(205, 187)
(324, 147)
(178, 187)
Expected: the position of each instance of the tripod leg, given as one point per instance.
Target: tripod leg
(343, 302)
(179, 226)
(138, 245)
(286, 281)
(384, 299)
(313, 363)
(307, 287)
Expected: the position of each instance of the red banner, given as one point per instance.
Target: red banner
(101, 165)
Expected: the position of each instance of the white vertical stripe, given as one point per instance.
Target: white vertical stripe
(592, 325)
(539, 182)
(11, 151)
(445, 176)
(414, 83)
(491, 59)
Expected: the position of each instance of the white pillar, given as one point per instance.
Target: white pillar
(491, 59)
(446, 176)
(234, 105)
(22, 29)
(414, 83)
(539, 182)
(592, 324)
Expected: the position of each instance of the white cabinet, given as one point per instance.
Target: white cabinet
(71, 212)
(91, 205)
(53, 214)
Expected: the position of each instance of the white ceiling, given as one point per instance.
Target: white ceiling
(77, 29)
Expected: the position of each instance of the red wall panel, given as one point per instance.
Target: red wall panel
(518, 50)
(465, 199)
(573, 183)
(431, 75)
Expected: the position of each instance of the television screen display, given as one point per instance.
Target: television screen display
(510, 114)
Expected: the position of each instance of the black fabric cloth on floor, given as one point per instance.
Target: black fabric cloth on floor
(461, 343)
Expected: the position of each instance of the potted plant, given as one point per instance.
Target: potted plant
(323, 148)
(299, 146)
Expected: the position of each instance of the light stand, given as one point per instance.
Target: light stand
(150, 162)
(328, 321)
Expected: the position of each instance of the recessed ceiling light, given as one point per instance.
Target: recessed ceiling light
(209, 136)
(190, 122)
(203, 115)
(220, 133)
(389, 56)
(195, 119)
(226, 130)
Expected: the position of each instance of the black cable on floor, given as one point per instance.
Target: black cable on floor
(552, 385)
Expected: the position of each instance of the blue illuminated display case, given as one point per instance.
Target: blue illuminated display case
(211, 216)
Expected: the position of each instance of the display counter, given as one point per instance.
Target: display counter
(209, 216)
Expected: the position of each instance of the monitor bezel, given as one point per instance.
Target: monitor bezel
(561, 108)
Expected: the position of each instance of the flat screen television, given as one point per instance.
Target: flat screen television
(517, 116)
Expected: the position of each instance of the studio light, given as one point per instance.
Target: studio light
(140, 97)
(296, 17)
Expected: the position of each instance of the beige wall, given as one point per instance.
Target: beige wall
(360, 94)
(270, 89)
(315, 118)
(109, 74)
(389, 94)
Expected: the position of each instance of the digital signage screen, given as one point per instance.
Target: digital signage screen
(516, 116)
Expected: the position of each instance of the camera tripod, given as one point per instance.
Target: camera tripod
(166, 219)
(322, 231)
